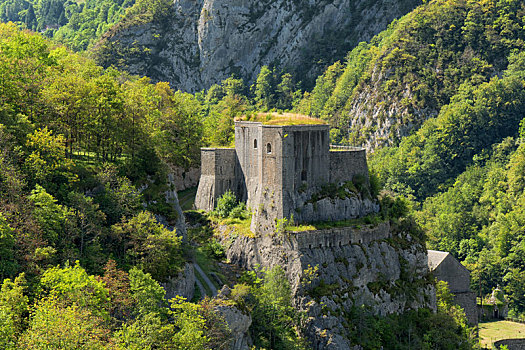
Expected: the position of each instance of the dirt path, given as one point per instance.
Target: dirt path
(205, 278)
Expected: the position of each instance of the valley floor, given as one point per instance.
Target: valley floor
(489, 332)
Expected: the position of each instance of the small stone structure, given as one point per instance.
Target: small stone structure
(279, 171)
(448, 269)
(512, 344)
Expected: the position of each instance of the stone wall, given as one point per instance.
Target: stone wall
(467, 301)
(456, 275)
(512, 344)
(305, 156)
(338, 237)
(332, 209)
(249, 148)
(344, 165)
(267, 205)
(305, 162)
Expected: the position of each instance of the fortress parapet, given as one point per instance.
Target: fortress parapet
(339, 236)
(277, 170)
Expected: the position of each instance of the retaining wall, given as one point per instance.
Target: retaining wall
(339, 237)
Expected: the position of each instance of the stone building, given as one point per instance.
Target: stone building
(448, 269)
(282, 171)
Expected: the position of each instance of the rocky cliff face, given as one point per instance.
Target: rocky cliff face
(384, 274)
(205, 41)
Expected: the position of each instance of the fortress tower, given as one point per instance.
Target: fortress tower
(278, 170)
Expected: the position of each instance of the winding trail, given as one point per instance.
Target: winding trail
(205, 278)
(201, 287)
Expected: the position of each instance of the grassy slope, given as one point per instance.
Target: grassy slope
(490, 332)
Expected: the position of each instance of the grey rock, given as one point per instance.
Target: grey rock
(183, 284)
(238, 323)
(205, 41)
(173, 199)
(376, 273)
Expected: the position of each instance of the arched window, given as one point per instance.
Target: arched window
(268, 148)
(254, 143)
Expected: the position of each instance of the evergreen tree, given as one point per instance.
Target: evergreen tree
(30, 19)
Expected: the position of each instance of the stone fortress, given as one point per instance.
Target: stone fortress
(292, 171)
(280, 171)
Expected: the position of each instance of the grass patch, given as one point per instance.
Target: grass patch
(239, 226)
(243, 227)
(283, 119)
(300, 228)
(206, 263)
(187, 198)
(490, 332)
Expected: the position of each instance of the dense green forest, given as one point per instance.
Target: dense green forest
(457, 68)
(463, 168)
(83, 171)
(85, 153)
(413, 69)
(77, 24)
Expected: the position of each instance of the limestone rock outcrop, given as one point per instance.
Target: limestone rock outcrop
(173, 199)
(383, 268)
(183, 284)
(205, 41)
(239, 324)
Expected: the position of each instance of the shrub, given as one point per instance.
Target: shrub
(239, 212)
(215, 250)
(225, 204)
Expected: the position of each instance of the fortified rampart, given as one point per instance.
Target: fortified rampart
(338, 237)
(375, 268)
(278, 170)
(218, 175)
(347, 163)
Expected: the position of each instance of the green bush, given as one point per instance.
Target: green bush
(215, 250)
(228, 207)
(225, 204)
(239, 212)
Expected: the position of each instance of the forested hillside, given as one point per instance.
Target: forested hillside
(195, 44)
(83, 179)
(444, 87)
(387, 88)
(76, 24)
(77, 142)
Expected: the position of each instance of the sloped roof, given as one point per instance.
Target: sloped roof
(435, 258)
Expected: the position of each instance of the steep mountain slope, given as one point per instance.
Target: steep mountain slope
(193, 44)
(444, 88)
(405, 75)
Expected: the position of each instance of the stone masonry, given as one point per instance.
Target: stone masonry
(278, 170)
(447, 268)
